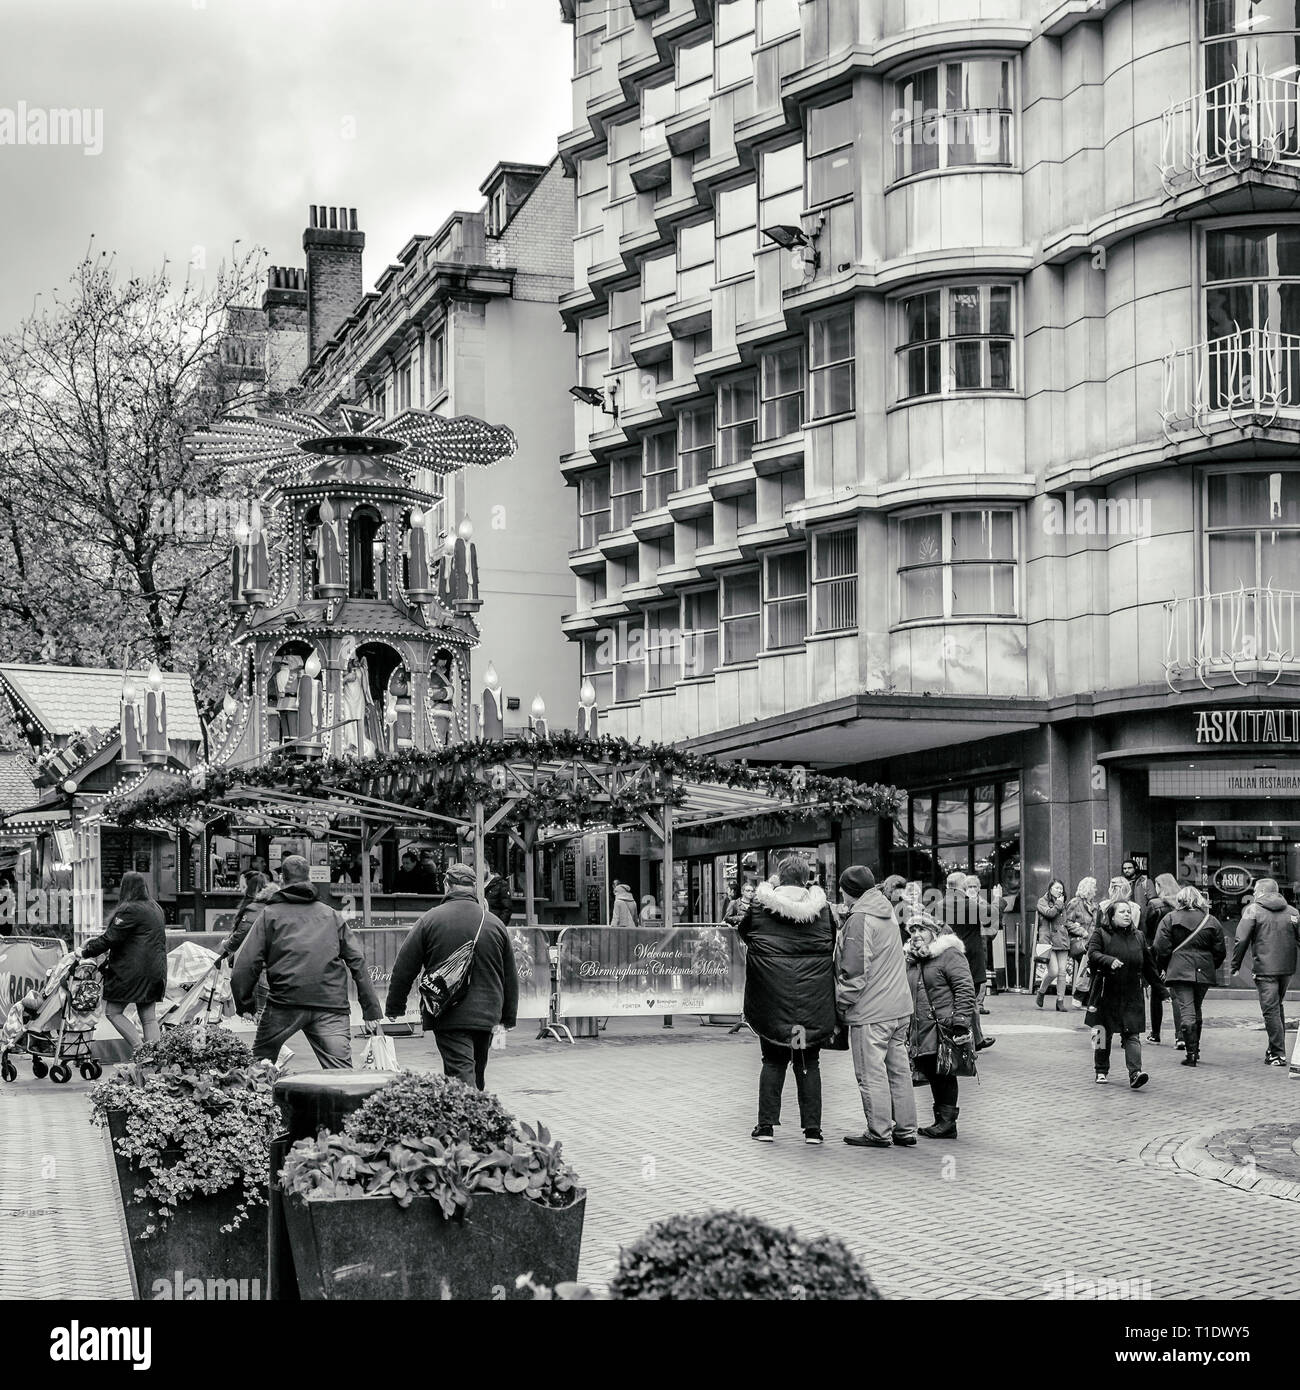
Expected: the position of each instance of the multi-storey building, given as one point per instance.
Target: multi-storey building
(942, 403)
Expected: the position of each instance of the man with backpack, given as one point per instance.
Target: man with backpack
(480, 1003)
(308, 951)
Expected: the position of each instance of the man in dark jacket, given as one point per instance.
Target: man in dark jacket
(463, 1033)
(961, 915)
(1270, 926)
(790, 993)
(307, 951)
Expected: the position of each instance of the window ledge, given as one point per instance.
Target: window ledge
(924, 174)
(830, 419)
(946, 397)
(958, 622)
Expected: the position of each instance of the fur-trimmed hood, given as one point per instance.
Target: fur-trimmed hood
(793, 903)
(946, 941)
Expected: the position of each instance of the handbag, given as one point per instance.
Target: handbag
(443, 987)
(380, 1054)
(954, 1058)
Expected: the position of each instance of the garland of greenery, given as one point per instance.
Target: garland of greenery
(450, 781)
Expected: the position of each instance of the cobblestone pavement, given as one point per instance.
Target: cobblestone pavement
(1052, 1179)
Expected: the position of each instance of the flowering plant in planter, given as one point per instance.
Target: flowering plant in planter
(199, 1118)
(424, 1135)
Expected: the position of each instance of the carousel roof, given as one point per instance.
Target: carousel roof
(293, 445)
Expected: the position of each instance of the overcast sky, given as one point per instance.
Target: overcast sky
(225, 119)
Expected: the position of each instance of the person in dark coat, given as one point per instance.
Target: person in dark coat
(135, 939)
(257, 890)
(942, 991)
(1189, 949)
(1120, 960)
(1053, 931)
(463, 1033)
(961, 915)
(496, 893)
(1270, 927)
(1166, 894)
(790, 992)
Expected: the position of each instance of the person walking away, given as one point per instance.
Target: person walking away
(1080, 919)
(1270, 928)
(1189, 949)
(875, 1004)
(308, 951)
(500, 902)
(1164, 901)
(1053, 930)
(462, 1033)
(1120, 960)
(624, 911)
(962, 918)
(943, 991)
(790, 993)
(135, 940)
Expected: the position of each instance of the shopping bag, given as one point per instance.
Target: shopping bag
(380, 1054)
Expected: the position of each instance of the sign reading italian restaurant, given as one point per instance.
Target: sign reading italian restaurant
(1248, 726)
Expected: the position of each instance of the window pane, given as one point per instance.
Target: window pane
(837, 554)
(1247, 499)
(830, 176)
(966, 375)
(1232, 562)
(831, 339)
(953, 819)
(921, 540)
(782, 371)
(832, 391)
(964, 310)
(782, 170)
(740, 594)
(737, 400)
(978, 589)
(921, 317)
(982, 535)
(787, 575)
(922, 596)
(829, 126)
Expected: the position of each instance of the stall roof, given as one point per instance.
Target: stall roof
(17, 789)
(63, 699)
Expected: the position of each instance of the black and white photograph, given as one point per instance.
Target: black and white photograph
(650, 651)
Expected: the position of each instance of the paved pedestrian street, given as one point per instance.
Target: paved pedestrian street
(1054, 1184)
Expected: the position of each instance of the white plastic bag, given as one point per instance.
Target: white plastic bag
(380, 1054)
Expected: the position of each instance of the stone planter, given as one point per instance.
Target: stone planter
(370, 1248)
(190, 1257)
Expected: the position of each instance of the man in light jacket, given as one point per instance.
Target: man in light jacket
(873, 999)
(308, 952)
(1270, 926)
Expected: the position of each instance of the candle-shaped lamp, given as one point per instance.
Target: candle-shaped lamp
(464, 569)
(308, 700)
(493, 714)
(257, 569)
(537, 717)
(587, 710)
(130, 724)
(329, 554)
(155, 717)
(238, 604)
(418, 586)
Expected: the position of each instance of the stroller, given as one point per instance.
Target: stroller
(55, 1023)
(198, 989)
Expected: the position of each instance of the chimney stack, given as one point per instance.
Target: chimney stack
(333, 246)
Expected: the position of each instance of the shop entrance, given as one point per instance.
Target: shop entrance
(1225, 859)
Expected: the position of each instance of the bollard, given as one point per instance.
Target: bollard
(308, 1103)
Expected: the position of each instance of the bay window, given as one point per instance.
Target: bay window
(952, 116)
(624, 489)
(1252, 313)
(830, 364)
(659, 468)
(733, 37)
(835, 580)
(694, 261)
(780, 379)
(740, 616)
(957, 338)
(699, 633)
(735, 213)
(830, 152)
(694, 445)
(593, 507)
(958, 564)
(737, 419)
(785, 598)
(1237, 38)
(1252, 530)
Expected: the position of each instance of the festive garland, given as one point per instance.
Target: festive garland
(451, 781)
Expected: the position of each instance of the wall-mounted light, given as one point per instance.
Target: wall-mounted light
(589, 395)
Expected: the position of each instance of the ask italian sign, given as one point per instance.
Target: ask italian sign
(1248, 726)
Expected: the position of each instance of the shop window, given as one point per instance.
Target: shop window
(830, 152)
(835, 581)
(958, 338)
(593, 507)
(953, 115)
(695, 434)
(699, 632)
(740, 616)
(735, 213)
(733, 37)
(737, 419)
(781, 392)
(958, 564)
(830, 365)
(785, 599)
(659, 468)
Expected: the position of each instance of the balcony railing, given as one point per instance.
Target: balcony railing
(1252, 372)
(1239, 631)
(1251, 119)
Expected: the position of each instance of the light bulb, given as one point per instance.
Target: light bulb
(155, 678)
(326, 512)
(449, 545)
(417, 519)
(129, 693)
(587, 695)
(311, 667)
(229, 703)
(538, 708)
(466, 530)
(490, 678)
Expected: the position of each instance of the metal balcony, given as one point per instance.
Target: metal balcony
(1249, 376)
(1250, 121)
(1240, 632)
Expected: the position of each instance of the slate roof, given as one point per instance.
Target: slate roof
(17, 790)
(68, 698)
